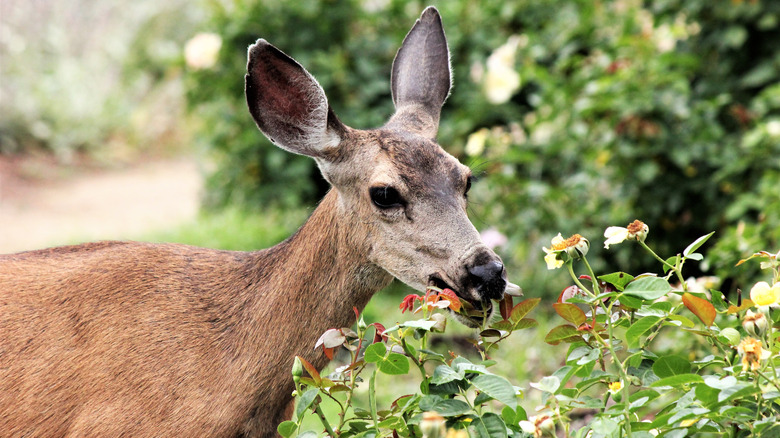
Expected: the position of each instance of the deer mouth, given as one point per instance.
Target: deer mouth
(473, 313)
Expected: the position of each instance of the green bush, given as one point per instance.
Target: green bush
(574, 112)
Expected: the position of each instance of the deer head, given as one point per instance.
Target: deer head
(404, 195)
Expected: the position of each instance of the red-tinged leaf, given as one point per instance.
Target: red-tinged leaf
(700, 307)
(450, 296)
(525, 323)
(408, 302)
(505, 306)
(328, 352)
(522, 309)
(315, 375)
(379, 335)
(357, 313)
(570, 313)
(746, 304)
(758, 254)
(562, 333)
(569, 292)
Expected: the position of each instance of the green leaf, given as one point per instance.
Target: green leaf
(525, 323)
(305, 401)
(677, 381)
(603, 426)
(444, 374)
(570, 313)
(497, 387)
(375, 352)
(648, 288)
(286, 428)
(547, 384)
(700, 307)
(671, 261)
(696, 244)
(444, 407)
(394, 364)
(639, 328)
(617, 279)
(562, 333)
(489, 425)
(513, 416)
(671, 365)
(522, 308)
(421, 324)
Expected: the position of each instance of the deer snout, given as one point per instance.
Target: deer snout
(488, 278)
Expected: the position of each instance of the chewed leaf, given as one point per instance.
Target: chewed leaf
(700, 307)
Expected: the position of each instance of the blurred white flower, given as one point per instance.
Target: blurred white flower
(475, 145)
(501, 79)
(773, 128)
(492, 238)
(202, 50)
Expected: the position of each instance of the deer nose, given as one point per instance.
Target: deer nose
(489, 279)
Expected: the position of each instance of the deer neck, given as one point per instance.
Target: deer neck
(314, 278)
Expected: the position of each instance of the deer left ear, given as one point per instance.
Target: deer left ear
(421, 76)
(288, 104)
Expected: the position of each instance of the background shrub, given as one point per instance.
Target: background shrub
(668, 111)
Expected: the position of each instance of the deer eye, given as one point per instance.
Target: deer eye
(469, 181)
(386, 197)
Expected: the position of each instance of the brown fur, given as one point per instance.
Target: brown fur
(198, 324)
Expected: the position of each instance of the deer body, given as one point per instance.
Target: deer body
(135, 339)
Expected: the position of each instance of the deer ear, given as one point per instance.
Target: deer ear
(288, 104)
(421, 78)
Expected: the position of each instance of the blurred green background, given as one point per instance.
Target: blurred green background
(575, 114)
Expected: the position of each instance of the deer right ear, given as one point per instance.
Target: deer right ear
(288, 104)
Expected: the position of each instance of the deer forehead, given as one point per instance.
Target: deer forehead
(417, 164)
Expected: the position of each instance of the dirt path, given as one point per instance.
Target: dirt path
(95, 204)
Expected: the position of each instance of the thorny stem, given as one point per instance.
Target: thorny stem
(324, 421)
(621, 369)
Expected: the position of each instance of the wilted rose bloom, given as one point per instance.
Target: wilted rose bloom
(432, 425)
(755, 323)
(636, 230)
(574, 247)
(752, 354)
(538, 426)
(202, 50)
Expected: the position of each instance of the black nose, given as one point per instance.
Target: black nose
(489, 279)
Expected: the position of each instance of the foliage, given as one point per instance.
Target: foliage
(644, 359)
(669, 109)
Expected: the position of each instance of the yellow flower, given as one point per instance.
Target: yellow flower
(764, 295)
(574, 247)
(636, 230)
(752, 353)
(615, 387)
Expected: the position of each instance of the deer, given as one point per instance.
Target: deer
(146, 340)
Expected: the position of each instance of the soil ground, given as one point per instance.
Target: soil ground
(43, 204)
